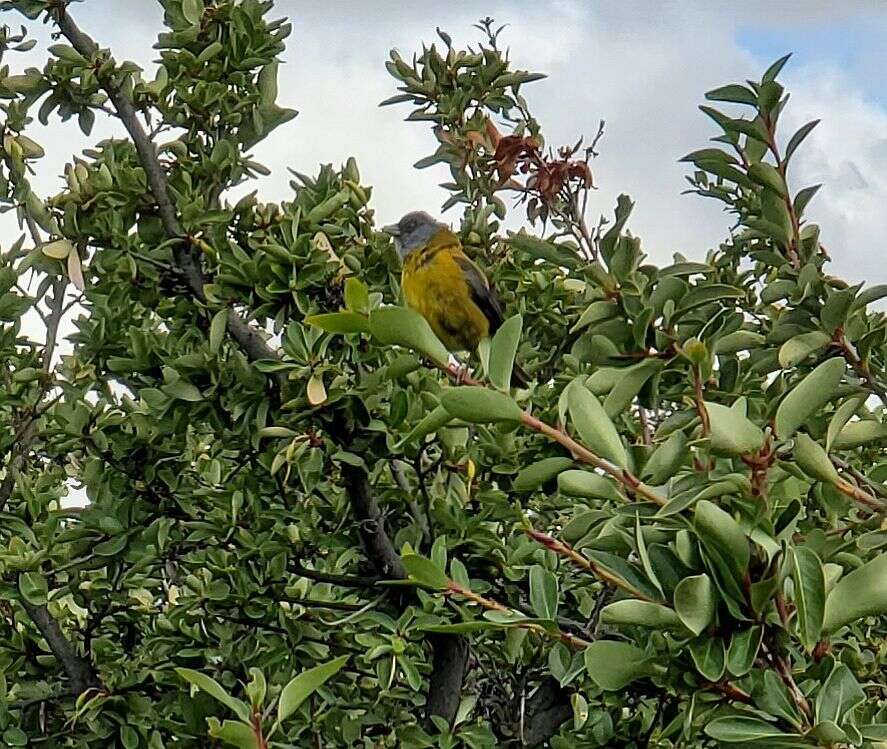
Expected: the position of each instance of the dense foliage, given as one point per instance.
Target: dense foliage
(302, 530)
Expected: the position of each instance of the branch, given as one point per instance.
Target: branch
(450, 657)
(345, 581)
(78, 669)
(448, 667)
(547, 711)
(860, 367)
(874, 486)
(249, 339)
(375, 538)
(625, 477)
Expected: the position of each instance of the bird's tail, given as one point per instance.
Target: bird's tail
(519, 377)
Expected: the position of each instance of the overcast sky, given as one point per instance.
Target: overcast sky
(640, 66)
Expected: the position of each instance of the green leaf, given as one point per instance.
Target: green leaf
(874, 732)
(733, 93)
(33, 588)
(699, 296)
(433, 421)
(707, 154)
(425, 572)
(863, 432)
(718, 527)
(215, 690)
(840, 418)
(217, 330)
(192, 10)
(732, 433)
(838, 696)
(813, 460)
(862, 592)
(234, 733)
(15, 737)
(694, 602)
(632, 612)
(803, 197)
(809, 595)
(479, 405)
(405, 327)
(798, 138)
(738, 340)
(595, 312)
(86, 119)
(710, 657)
(13, 306)
(836, 308)
(628, 385)
(209, 52)
(502, 352)
(624, 574)
(357, 296)
(58, 250)
(809, 395)
(725, 171)
(743, 650)
(461, 628)
(774, 70)
(579, 483)
(543, 592)
(870, 295)
(339, 322)
(401, 366)
(773, 696)
(183, 390)
(541, 249)
(596, 431)
(766, 175)
(257, 687)
(666, 460)
(536, 474)
(740, 729)
(305, 684)
(612, 665)
(798, 348)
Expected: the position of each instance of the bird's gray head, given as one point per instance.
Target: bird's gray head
(412, 231)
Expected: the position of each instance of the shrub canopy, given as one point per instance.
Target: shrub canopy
(319, 537)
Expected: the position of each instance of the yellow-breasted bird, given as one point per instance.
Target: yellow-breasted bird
(445, 286)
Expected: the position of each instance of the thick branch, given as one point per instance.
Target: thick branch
(448, 667)
(547, 711)
(379, 547)
(77, 668)
(450, 657)
(249, 339)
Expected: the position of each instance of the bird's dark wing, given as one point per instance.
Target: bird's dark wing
(482, 294)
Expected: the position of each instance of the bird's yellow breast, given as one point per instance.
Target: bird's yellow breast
(435, 286)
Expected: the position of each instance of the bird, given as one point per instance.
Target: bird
(446, 287)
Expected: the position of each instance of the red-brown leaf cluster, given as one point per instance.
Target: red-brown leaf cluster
(546, 175)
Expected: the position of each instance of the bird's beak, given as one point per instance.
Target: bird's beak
(392, 229)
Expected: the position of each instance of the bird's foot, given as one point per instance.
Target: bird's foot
(460, 373)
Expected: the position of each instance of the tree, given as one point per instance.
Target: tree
(674, 538)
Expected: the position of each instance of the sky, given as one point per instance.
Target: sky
(642, 67)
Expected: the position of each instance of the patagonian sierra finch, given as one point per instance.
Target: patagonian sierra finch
(445, 286)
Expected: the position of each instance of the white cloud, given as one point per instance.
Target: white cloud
(642, 67)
